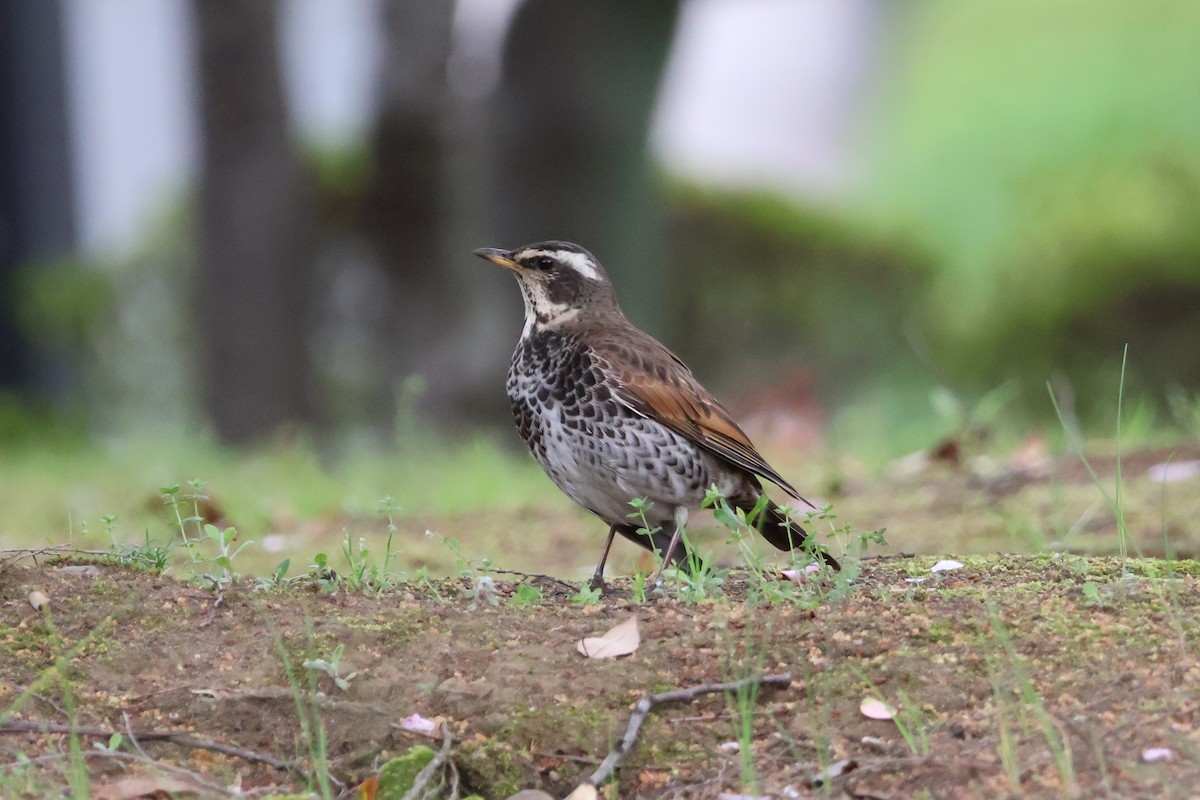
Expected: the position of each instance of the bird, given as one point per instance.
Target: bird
(614, 417)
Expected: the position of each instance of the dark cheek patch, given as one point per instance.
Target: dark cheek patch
(563, 287)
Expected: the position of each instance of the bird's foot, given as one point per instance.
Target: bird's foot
(597, 584)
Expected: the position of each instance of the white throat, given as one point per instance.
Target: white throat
(540, 312)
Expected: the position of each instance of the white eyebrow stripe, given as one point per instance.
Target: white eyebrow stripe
(576, 261)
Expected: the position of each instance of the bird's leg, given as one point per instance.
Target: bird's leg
(597, 581)
(681, 515)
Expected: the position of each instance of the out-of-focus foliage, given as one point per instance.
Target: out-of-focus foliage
(761, 284)
(1047, 155)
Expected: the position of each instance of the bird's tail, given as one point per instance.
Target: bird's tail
(783, 533)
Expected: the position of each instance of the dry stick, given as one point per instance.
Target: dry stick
(531, 576)
(423, 777)
(180, 739)
(648, 702)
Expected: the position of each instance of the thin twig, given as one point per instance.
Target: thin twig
(183, 740)
(532, 576)
(118, 756)
(427, 772)
(649, 701)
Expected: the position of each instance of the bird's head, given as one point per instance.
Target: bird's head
(560, 282)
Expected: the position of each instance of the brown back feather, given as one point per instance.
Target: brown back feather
(654, 383)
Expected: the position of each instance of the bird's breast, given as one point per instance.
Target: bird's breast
(598, 451)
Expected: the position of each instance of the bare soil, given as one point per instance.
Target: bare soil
(1014, 676)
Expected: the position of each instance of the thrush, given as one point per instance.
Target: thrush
(613, 416)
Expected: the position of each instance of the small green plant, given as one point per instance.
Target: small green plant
(226, 552)
(148, 555)
(912, 721)
(1031, 702)
(698, 580)
(332, 667)
(321, 575)
(114, 743)
(422, 577)
(467, 568)
(1075, 440)
(178, 502)
(526, 595)
(312, 726)
(277, 579)
(587, 596)
(638, 587)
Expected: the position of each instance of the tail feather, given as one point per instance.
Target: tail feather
(782, 533)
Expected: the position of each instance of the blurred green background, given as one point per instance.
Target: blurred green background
(871, 227)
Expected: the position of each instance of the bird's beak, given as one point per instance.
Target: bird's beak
(498, 256)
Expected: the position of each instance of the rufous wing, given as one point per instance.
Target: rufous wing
(654, 383)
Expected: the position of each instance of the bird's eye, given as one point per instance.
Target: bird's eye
(543, 263)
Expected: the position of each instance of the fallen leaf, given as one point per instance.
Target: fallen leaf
(945, 565)
(38, 600)
(619, 641)
(143, 786)
(585, 791)
(415, 723)
(1152, 754)
(872, 708)
(1174, 471)
(369, 788)
(796, 575)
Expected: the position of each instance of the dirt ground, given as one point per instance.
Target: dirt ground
(1012, 677)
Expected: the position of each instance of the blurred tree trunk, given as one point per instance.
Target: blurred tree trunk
(573, 114)
(405, 209)
(37, 214)
(256, 228)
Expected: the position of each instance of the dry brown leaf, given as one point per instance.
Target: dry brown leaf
(143, 786)
(369, 788)
(621, 640)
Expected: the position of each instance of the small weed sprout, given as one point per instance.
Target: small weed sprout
(586, 596)
(322, 575)
(277, 579)
(422, 577)
(226, 552)
(465, 566)
(1075, 440)
(526, 595)
(638, 587)
(332, 667)
(114, 743)
(364, 576)
(148, 555)
(640, 506)
(698, 579)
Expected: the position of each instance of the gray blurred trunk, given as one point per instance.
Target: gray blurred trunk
(405, 210)
(256, 228)
(573, 114)
(37, 221)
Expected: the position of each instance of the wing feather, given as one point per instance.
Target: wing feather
(652, 382)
